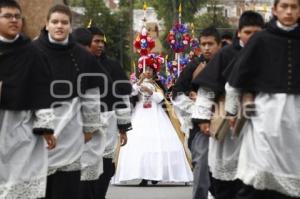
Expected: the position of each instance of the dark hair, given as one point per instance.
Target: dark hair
(9, 4)
(251, 18)
(96, 31)
(227, 35)
(61, 9)
(211, 31)
(276, 2)
(83, 36)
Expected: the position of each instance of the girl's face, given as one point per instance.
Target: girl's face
(148, 72)
(287, 12)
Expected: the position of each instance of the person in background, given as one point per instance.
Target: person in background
(183, 99)
(115, 110)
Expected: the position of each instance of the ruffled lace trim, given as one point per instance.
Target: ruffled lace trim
(203, 105)
(91, 173)
(123, 115)
(224, 170)
(44, 119)
(232, 99)
(90, 104)
(51, 171)
(75, 166)
(109, 152)
(262, 180)
(92, 122)
(29, 189)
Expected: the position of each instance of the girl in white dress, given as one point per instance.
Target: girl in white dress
(154, 151)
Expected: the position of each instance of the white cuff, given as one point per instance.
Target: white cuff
(203, 104)
(232, 99)
(44, 119)
(90, 107)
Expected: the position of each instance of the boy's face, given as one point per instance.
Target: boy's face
(246, 32)
(209, 46)
(59, 26)
(287, 12)
(97, 45)
(10, 22)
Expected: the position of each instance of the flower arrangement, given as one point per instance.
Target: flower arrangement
(144, 43)
(179, 38)
(152, 60)
(173, 65)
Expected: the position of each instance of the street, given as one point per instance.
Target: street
(159, 191)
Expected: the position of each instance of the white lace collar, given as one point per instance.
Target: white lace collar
(286, 28)
(242, 44)
(3, 39)
(64, 42)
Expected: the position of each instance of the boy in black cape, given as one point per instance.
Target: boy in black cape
(25, 113)
(268, 67)
(183, 97)
(76, 94)
(117, 110)
(223, 154)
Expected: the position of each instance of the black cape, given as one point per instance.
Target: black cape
(114, 98)
(183, 84)
(212, 75)
(269, 62)
(26, 77)
(67, 63)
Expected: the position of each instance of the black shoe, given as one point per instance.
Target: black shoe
(154, 182)
(143, 183)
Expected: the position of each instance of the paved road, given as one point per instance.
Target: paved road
(160, 191)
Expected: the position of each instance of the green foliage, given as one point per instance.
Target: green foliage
(210, 19)
(116, 26)
(168, 11)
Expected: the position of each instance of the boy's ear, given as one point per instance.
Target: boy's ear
(274, 13)
(46, 26)
(239, 34)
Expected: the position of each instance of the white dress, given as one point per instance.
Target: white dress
(153, 151)
(270, 151)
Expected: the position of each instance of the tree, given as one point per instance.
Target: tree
(116, 26)
(213, 17)
(210, 19)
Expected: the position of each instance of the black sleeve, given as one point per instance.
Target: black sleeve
(242, 71)
(40, 81)
(121, 81)
(104, 82)
(211, 76)
(184, 83)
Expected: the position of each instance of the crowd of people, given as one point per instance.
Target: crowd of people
(71, 122)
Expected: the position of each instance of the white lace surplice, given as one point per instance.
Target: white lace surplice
(269, 156)
(91, 158)
(70, 139)
(23, 157)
